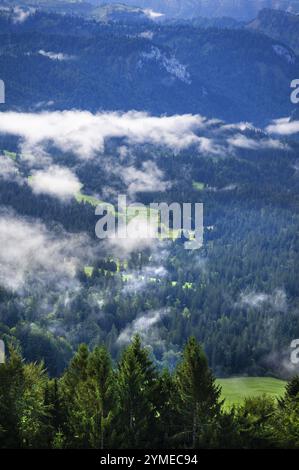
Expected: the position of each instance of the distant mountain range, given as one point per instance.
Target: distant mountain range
(238, 9)
(244, 10)
(234, 74)
(279, 25)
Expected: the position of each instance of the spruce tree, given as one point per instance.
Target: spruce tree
(95, 399)
(23, 411)
(292, 388)
(167, 401)
(57, 417)
(198, 396)
(11, 392)
(137, 383)
(70, 385)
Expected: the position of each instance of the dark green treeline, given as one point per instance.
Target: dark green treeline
(134, 405)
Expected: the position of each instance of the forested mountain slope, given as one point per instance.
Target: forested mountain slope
(155, 112)
(282, 26)
(238, 9)
(232, 74)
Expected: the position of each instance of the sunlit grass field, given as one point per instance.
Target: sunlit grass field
(236, 389)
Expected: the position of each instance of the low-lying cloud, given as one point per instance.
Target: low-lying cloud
(149, 178)
(244, 142)
(139, 280)
(60, 56)
(283, 126)
(84, 133)
(8, 169)
(20, 16)
(55, 181)
(33, 253)
(144, 325)
(277, 300)
(137, 235)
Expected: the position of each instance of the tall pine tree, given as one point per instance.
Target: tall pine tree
(137, 384)
(198, 397)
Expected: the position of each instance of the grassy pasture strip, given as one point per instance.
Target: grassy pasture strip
(236, 389)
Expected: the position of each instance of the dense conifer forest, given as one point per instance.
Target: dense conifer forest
(121, 343)
(131, 404)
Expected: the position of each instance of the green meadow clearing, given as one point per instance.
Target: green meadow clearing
(198, 186)
(236, 389)
(11, 155)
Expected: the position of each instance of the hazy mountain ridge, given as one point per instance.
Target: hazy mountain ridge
(238, 9)
(279, 25)
(244, 10)
(232, 74)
